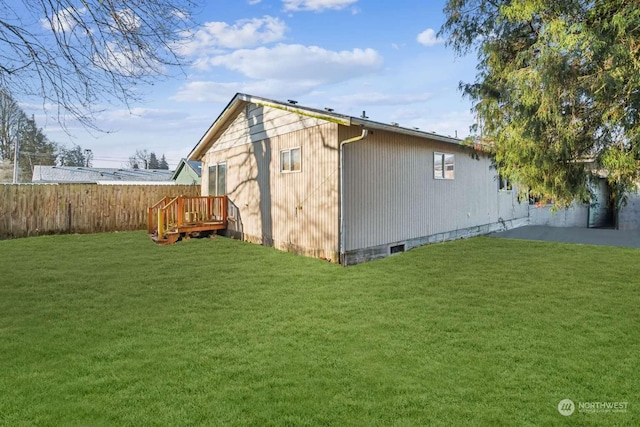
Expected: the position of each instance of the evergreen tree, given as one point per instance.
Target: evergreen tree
(35, 149)
(153, 161)
(163, 163)
(557, 87)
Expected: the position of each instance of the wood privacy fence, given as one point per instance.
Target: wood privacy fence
(34, 209)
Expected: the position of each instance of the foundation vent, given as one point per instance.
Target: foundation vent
(396, 249)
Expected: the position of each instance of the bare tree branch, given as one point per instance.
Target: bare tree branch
(79, 55)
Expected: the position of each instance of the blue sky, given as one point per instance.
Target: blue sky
(349, 55)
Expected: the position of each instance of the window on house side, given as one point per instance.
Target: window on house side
(291, 160)
(503, 183)
(218, 179)
(443, 166)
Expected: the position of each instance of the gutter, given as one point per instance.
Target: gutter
(365, 133)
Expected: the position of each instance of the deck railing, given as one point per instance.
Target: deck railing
(152, 225)
(184, 211)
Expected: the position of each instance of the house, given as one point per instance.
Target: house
(188, 172)
(104, 176)
(344, 188)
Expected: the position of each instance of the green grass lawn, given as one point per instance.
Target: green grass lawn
(111, 329)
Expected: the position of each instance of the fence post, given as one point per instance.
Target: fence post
(69, 216)
(150, 221)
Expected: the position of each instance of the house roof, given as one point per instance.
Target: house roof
(240, 100)
(76, 174)
(195, 165)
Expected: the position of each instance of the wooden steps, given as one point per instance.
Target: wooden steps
(167, 239)
(185, 216)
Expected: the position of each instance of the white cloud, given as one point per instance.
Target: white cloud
(126, 20)
(298, 62)
(252, 2)
(281, 71)
(429, 38)
(126, 61)
(175, 132)
(378, 98)
(244, 33)
(316, 5)
(208, 91)
(181, 14)
(145, 114)
(63, 21)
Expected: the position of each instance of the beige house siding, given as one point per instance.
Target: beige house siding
(391, 194)
(256, 123)
(295, 211)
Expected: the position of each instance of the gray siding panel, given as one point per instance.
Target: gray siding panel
(576, 215)
(629, 217)
(391, 194)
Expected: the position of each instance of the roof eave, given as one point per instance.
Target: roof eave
(175, 174)
(216, 127)
(239, 101)
(369, 124)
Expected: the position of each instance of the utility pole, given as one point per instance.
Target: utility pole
(16, 156)
(16, 152)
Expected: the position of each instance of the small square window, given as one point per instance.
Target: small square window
(503, 183)
(443, 166)
(291, 160)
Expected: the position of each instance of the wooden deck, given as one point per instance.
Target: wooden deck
(172, 219)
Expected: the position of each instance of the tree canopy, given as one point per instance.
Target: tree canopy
(75, 156)
(557, 90)
(143, 159)
(163, 163)
(153, 161)
(16, 127)
(78, 54)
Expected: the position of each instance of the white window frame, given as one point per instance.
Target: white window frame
(442, 173)
(288, 155)
(216, 191)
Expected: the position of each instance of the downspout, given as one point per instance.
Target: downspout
(342, 254)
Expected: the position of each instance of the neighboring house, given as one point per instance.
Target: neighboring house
(105, 176)
(345, 188)
(188, 172)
